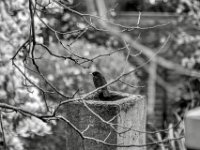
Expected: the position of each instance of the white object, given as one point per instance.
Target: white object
(192, 128)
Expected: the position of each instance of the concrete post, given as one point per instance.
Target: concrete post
(127, 113)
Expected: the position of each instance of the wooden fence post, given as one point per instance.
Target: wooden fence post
(128, 114)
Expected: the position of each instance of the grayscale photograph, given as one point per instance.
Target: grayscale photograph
(99, 75)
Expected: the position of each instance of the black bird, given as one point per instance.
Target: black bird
(99, 81)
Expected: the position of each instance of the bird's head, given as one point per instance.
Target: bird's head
(96, 73)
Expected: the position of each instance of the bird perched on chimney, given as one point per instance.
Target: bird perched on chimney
(99, 81)
(104, 94)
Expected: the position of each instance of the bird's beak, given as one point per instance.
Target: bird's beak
(90, 73)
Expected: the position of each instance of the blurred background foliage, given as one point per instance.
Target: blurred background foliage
(67, 77)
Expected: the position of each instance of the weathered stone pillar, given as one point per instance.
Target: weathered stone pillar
(128, 114)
